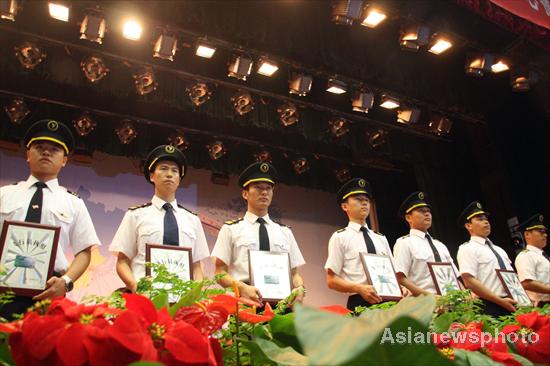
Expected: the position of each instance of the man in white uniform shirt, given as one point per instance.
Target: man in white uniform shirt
(479, 259)
(533, 264)
(256, 231)
(40, 199)
(412, 252)
(161, 221)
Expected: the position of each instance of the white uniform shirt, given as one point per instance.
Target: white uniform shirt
(145, 225)
(412, 252)
(531, 265)
(237, 237)
(476, 258)
(344, 248)
(59, 208)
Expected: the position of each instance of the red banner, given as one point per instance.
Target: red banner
(535, 11)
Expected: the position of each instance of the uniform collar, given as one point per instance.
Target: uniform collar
(355, 226)
(158, 203)
(534, 249)
(478, 239)
(250, 217)
(418, 233)
(51, 184)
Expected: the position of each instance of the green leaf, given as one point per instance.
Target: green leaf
(5, 354)
(522, 360)
(469, 358)
(189, 299)
(160, 301)
(283, 330)
(264, 351)
(262, 331)
(443, 322)
(419, 308)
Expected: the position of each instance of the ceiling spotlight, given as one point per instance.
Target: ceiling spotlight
(17, 110)
(165, 47)
(413, 37)
(84, 124)
(377, 138)
(263, 156)
(300, 165)
(93, 28)
(132, 30)
(58, 11)
(342, 175)
(240, 67)
(362, 101)
(372, 17)
(336, 86)
(204, 49)
(242, 103)
(29, 55)
(179, 140)
(199, 93)
(288, 114)
(216, 150)
(144, 80)
(440, 125)
(267, 67)
(522, 80)
(8, 9)
(346, 11)
(338, 126)
(126, 132)
(439, 44)
(478, 64)
(389, 102)
(300, 84)
(408, 115)
(94, 68)
(500, 66)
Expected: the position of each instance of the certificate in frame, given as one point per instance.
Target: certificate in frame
(27, 255)
(512, 285)
(177, 260)
(444, 277)
(270, 273)
(381, 275)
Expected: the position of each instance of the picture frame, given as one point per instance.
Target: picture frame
(444, 277)
(512, 285)
(381, 275)
(27, 255)
(270, 273)
(177, 260)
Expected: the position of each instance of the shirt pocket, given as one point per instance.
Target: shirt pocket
(421, 255)
(187, 237)
(9, 209)
(280, 246)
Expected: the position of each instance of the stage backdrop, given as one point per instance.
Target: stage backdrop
(109, 185)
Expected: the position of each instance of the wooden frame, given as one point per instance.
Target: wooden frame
(270, 273)
(443, 274)
(173, 257)
(512, 285)
(382, 266)
(18, 244)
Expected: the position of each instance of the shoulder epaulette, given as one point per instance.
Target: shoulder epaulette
(191, 212)
(524, 251)
(280, 223)
(376, 232)
(466, 242)
(73, 193)
(341, 230)
(139, 206)
(405, 236)
(231, 222)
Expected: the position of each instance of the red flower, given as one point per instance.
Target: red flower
(533, 338)
(337, 309)
(498, 351)
(250, 316)
(206, 317)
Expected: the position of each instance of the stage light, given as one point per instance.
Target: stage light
(126, 132)
(240, 67)
(94, 68)
(204, 49)
(29, 55)
(216, 150)
(408, 115)
(389, 102)
(414, 36)
(373, 17)
(342, 175)
(132, 30)
(439, 45)
(93, 28)
(17, 110)
(300, 165)
(145, 81)
(478, 64)
(288, 114)
(500, 66)
(440, 125)
(267, 67)
(377, 138)
(84, 124)
(346, 11)
(362, 101)
(263, 156)
(300, 84)
(338, 126)
(522, 80)
(58, 11)
(199, 93)
(8, 9)
(336, 86)
(179, 140)
(242, 102)
(165, 47)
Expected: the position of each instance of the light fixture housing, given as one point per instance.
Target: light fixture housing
(300, 165)
(165, 47)
(8, 9)
(389, 102)
(500, 65)
(478, 64)
(93, 28)
(373, 16)
(377, 138)
(132, 30)
(216, 150)
(362, 101)
(345, 12)
(336, 86)
(267, 67)
(440, 125)
(240, 67)
(300, 84)
(521, 80)
(413, 37)
(338, 126)
(408, 115)
(58, 11)
(204, 49)
(439, 44)
(288, 114)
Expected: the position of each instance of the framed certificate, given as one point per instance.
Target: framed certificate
(27, 256)
(270, 273)
(381, 275)
(512, 285)
(177, 260)
(444, 277)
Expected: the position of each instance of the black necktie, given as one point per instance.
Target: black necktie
(34, 212)
(437, 257)
(368, 241)
(264, 238)
(499, 258)
(171, 236)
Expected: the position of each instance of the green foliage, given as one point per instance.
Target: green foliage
(468, 358)
(5, 355)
